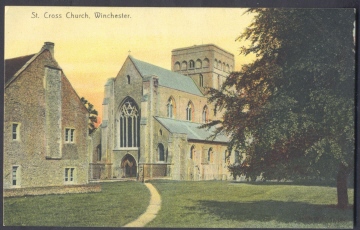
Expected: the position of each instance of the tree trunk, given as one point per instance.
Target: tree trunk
(341, 185)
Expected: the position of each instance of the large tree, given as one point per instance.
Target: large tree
(92, 114)
(291, 111)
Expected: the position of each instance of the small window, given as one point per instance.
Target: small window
(15, 131)
(192, 152)
(210, 155)
(161, 152)
(15, 175)
(69, 175)
(201, 80)
(189, 111)
(98, 151)
(171, 108)
(205, 114)
(128, 79)
(160, 132)
(69, 135)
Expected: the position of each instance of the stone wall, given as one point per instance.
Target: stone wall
(52, 190)
(26, 104)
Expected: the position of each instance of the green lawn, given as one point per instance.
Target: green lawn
(219, 204)
(117, 204)
(214, 204)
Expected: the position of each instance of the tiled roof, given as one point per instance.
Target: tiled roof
(14, 64)
(191, 129)
(167, 78)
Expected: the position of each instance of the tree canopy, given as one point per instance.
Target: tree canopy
(92, 114)
(291, 111)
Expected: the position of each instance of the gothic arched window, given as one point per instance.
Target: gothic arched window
(205, 114)
(189, 111)
(192, 152)
(171, 108)
(161, 152)
(201, 80)
(129, 124)
(210, 155)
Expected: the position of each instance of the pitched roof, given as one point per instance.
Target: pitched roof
(191, 129)
(14, 64)
(167, 78)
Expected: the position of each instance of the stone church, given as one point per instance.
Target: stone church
(151, 119)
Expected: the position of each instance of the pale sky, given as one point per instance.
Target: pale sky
(91, 50)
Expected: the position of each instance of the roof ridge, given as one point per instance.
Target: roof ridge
(24, 56)
(167, 78)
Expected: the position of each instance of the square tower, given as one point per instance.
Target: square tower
(208, 65)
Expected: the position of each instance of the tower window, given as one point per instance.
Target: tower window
(201, 80)
(177, 66)
(198, 64)
(191, 64)
(206, 63)
(184, 65)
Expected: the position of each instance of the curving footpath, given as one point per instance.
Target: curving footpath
(151, 211)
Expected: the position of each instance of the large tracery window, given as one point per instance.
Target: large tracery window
(129, 124)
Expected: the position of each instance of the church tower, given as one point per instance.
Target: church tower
(208, 65)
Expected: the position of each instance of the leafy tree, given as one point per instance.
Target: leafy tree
(292, 109)
(92, 114)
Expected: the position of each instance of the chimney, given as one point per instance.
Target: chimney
(49, 46)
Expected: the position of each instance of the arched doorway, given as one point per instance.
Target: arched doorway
(128, 166)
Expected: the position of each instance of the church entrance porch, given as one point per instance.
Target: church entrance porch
(128, 166)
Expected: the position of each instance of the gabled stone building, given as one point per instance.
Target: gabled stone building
(151, 119)
(45, 125)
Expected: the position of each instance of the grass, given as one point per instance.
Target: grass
(218, 204)
(203, 204)
(117, 204)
